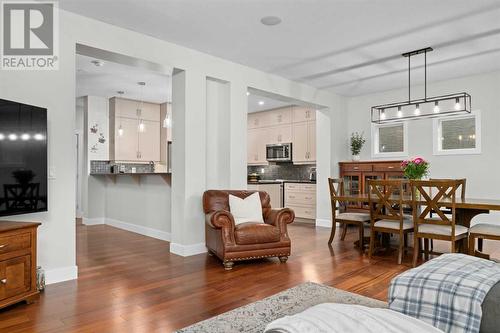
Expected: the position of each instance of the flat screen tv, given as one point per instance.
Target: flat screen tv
(23, 158)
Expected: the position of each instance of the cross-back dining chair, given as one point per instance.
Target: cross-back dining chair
(343, 217)
(462, 185)
(432, 196)
(387, 213)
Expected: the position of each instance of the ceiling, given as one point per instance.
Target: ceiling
(350, 47)
(106, 80)
(258, 103)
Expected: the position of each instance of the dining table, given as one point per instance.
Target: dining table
(466, 208)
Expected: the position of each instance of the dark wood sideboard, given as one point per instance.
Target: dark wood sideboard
(17, 262)
(357, 173)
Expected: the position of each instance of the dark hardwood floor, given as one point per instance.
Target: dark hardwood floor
(131, 283)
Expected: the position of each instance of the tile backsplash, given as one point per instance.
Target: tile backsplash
(105, 167)
(288, 171)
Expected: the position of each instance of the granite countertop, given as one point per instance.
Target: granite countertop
(130, 173)
(305, 181)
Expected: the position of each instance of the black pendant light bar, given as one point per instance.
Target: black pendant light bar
(427, 107)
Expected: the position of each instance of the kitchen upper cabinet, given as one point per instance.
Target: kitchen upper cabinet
(256, 150)
(131, 144)
(125, 146)
(300, 114)
(270, 118)
(304, 142)
(279, 134)
(128, 108)
(149, 141)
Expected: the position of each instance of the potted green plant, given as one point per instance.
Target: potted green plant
(357, 142)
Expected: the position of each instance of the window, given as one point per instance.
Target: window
(458, 135)
(390, 140)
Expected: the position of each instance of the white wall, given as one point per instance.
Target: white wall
(55, 90)
(480, 170)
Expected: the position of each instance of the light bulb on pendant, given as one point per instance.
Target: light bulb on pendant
(142, 127)
(120, 131)
(417, 109)
(457, 104)
(400, 113)
(382, 114)
(436, 107)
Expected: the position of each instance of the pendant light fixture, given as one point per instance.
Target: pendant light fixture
(427, 107)
(142, 126)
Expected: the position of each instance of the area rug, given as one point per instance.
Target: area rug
(254, 317)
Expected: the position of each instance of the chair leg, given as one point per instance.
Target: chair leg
(432, 245)
(453, 250)
(372, 244)
(405, 242)
(228, 265)
(426, 249)
(361, 238)
(416, 245)
(480, 244)
(472, 245)
(283, 259)
(332, 233)
(400, 248)
(344, 231)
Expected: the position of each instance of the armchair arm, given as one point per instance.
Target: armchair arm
(220, 219)
(280, 218)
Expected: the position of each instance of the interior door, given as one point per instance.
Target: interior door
(149, 141)
(127, 145)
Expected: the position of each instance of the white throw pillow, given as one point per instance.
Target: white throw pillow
(246, 210)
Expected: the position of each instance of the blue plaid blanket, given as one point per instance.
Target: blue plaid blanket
(446, 292)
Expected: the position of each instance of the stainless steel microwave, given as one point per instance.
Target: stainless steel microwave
(281, 152)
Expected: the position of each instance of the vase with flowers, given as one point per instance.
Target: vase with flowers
(415, 168)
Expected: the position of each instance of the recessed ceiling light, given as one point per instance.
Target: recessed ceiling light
(270, 20)
(98, 63)
(261, 102)
(248, 94)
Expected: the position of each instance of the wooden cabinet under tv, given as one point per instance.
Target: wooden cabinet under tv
(357, 173)
(17, 262)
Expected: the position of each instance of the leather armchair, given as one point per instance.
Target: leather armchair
(249, 240)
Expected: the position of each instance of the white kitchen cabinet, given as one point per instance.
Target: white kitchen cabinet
(270, 118)
(149, 142)
(304, 142)
(300, 114)
(301, 198)
(128, 108)
(255, 120)
(279, 134)
(274, 191)
(132, 144)
(125, 146)
(256, 150)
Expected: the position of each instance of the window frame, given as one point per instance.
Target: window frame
(375, 140)
(437, 131)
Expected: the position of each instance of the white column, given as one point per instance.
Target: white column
(238, 136)
(218, 134)
(188, 162)
(323, 167)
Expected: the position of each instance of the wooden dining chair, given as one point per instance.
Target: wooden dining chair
(462, 185)
(431, 196)
(480, 232)
(387, 213)
(343, 217)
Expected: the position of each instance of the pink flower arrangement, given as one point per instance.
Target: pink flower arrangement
(415, 168)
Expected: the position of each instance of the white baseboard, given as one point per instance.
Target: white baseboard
(138, 229)
(93, 221)
(323, 223)
(187, 250)
(61, 274)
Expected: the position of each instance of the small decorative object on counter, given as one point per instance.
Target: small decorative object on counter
(415, 168)
(40, 278)
(253, 178)
(357, 142)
